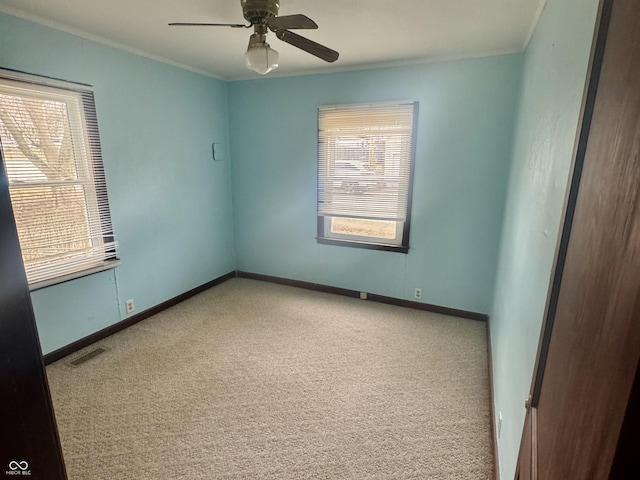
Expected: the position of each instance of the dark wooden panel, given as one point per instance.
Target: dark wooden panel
(595, 343)
(28, 431)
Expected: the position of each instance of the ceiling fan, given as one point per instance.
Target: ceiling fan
(262, 15)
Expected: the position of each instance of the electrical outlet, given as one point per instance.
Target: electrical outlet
(130, 306)
(363, 295)
(499, 423)
(417, 293)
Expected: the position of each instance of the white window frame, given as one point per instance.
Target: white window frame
(326, 177)
(101, 254)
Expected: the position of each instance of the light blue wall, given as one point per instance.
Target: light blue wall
(555, 68)
(170, 203)
(465, 130)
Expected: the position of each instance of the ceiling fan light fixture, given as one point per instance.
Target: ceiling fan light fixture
(263, 17)
(261, 58)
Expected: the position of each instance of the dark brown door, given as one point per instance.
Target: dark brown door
(591, 341)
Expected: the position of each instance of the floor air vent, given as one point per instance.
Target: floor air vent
(76, 362)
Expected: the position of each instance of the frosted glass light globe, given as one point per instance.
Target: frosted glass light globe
(261, 58)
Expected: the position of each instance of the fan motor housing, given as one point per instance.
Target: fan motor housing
(255, 11)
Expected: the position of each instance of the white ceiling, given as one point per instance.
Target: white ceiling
(366, 32)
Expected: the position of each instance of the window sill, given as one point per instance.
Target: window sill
(108, 265)
(365, 245)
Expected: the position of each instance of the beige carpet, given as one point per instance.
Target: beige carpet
(256, 380)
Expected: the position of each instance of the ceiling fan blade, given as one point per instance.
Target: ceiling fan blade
(308, 46)
(288, 22)
(232, 25)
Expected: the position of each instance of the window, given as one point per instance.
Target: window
(50, 150)
(365, 174)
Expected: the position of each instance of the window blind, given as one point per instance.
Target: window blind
(51, 153)
(360, 147)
